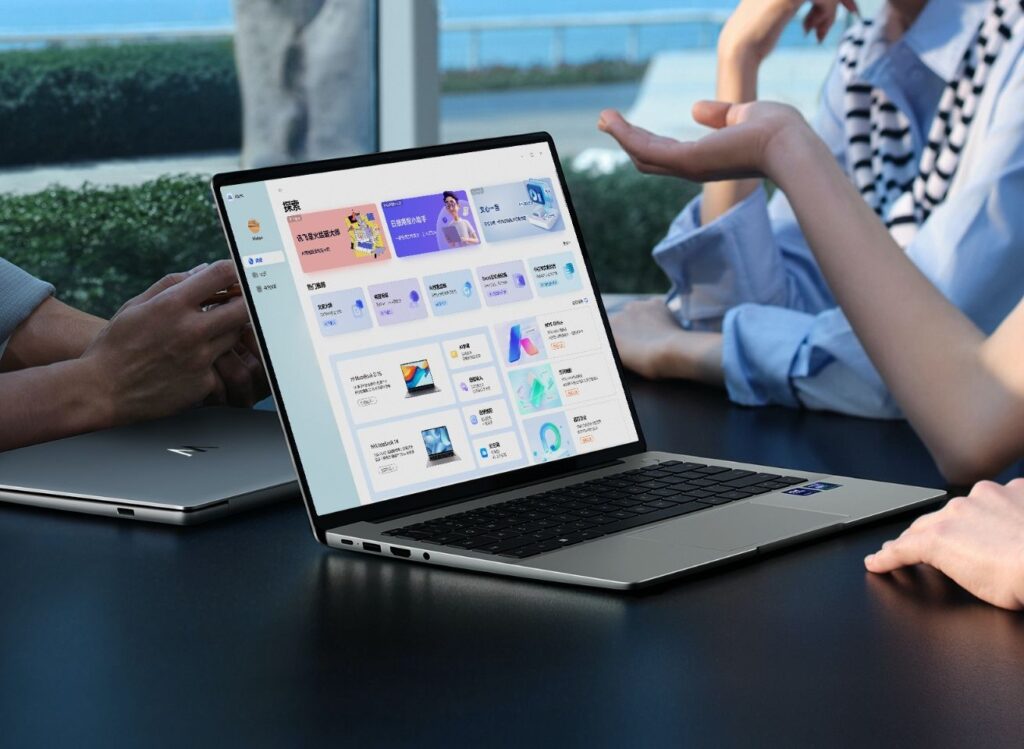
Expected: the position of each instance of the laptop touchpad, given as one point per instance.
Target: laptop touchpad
(739, 526)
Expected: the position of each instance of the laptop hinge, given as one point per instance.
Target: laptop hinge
(419, 511)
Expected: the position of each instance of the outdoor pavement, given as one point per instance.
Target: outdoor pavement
(661, 102)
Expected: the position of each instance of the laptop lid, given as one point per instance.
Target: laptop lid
(185, 462)
(528, 384)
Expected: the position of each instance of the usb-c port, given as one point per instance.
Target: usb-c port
(367, 546)
(347, 541)
(129, 512)
(401, 552)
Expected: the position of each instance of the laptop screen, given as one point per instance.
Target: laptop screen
(458, 279)
(417, 376)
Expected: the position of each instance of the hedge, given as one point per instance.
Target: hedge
(100, 246)
(115, 101)
(110, 101)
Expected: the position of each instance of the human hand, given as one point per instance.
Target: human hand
(750, 140)
(241, 377)
(157, 355)
(651, 343)
(754, 28)
(976, 540)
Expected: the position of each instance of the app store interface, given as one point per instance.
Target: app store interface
(448, 321)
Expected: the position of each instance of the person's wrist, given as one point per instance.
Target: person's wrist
(792, 143)
(738, 66)
(97, 392)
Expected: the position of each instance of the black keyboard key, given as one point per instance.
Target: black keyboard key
(676, 467)
(415, 535)
(664, 492)
(659, 504)
(446, 538)
(734, 495)
(709, 470)
(640, 509)
(625, 502)
(652, 484)
(574, 506)
(506, 545)
(790, 480)
(622, 514)
(757, 478)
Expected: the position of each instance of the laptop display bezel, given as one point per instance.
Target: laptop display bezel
(461, 491)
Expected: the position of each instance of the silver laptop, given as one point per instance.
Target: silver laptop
(184, 469)
(553, 480)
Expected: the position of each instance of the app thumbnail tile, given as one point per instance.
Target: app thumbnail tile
(518, 209)
(338, 238)
(430, 223)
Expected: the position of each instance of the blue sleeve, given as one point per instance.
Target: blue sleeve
(20, 294)
(753, 253)
(970, 248)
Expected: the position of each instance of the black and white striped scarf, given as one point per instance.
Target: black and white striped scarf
(880, 149)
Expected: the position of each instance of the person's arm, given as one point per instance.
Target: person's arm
(962, 392)
(754, 253)
(155, 357)
(747, 38)
(54, 332)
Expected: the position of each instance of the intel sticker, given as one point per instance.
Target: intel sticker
(822, 486)
(801, 491)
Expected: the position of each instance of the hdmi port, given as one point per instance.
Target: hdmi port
(400, 552)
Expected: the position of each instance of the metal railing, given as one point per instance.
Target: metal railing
(707, 21)
(632, 22)
(72, 38)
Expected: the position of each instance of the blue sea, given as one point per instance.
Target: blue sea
(518, 48)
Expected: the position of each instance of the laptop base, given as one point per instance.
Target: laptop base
(664, 550)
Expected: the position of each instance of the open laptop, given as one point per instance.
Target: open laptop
(554, 480)
(182, 470)
(418, 378)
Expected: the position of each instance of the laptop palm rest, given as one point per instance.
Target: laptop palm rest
(740, 526)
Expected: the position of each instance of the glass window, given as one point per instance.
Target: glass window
(115, 114)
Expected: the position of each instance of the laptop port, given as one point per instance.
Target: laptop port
(347, 542)
(127, 511)
(405, 553)
(367, 546)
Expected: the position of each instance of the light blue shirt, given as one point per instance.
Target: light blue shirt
(20, 294)
(751, 274)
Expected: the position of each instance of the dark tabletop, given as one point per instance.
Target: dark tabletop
(245, 632)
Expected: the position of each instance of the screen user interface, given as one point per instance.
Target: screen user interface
(429, 322)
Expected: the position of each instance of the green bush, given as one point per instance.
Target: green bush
(501, 77)
(113, 101)
(100, 246)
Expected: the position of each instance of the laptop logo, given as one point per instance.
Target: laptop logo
(189, 450)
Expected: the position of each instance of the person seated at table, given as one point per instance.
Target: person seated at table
(64, 372)
(962, 390)
(924, 111)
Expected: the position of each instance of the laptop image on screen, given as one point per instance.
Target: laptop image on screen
(418, 378)
(438, 444)
(529, 459)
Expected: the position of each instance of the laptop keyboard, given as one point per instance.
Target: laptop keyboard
(527, 526)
